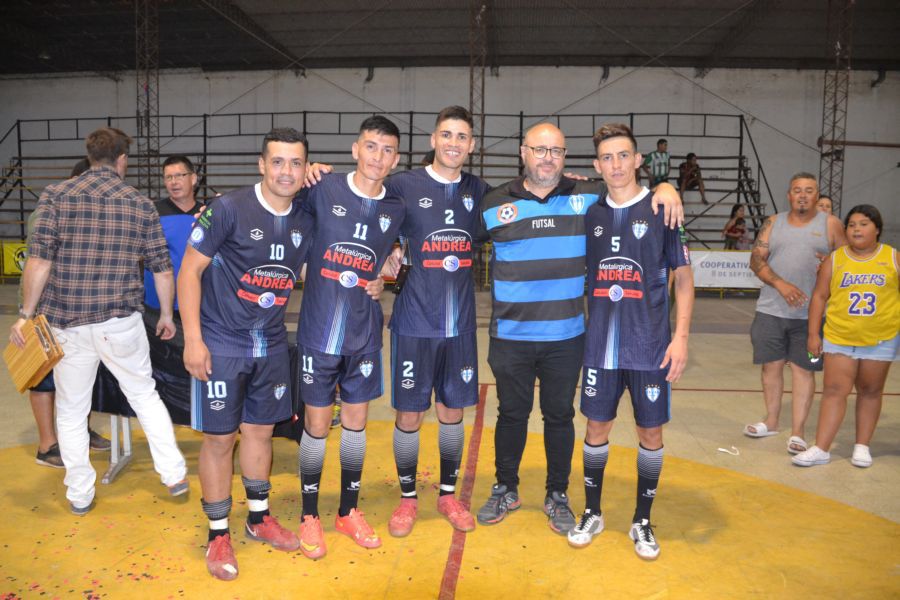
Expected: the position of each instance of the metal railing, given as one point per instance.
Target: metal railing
(225, 148)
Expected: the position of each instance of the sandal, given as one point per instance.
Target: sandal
(796, 445)
(759, 430)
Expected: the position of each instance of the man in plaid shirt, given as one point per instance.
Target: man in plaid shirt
(83, 273)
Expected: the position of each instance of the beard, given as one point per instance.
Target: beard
(550, 181)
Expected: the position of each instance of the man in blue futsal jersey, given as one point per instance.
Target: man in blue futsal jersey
(244, 257)
(433, 342)
(339, 334)
(629, 255)
(537, 226)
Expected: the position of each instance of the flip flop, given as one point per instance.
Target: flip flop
(799, 442)
(761, 430)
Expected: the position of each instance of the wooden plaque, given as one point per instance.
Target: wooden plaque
(28, 366)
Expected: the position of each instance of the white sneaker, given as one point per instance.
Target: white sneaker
(861, 456)
(813, 456)
(589, 525)
(644, 541)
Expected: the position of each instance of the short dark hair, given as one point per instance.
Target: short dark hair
(80, 167)
(380, 124)
(285, 135)
(690, 155)
(662, 141)
(868, 211)
(457, 113)
(106, 145)
(611, 130)
(178, 159)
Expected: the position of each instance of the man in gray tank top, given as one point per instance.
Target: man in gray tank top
(785, 258)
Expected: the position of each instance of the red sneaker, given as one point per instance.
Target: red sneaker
(271, 532)
(355, 526)
(312, 539)
(404, 517)
(220, 560)
(456, 513)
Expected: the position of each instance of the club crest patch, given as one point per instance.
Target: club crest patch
(338, 210)
(469, 202)
(296, 237)
(425, 202)
(365, 367)
(279, 390)
(639, 228)
(467, 373)
(507, 213)
(598, 231)
(590, 392)
(577, 203)
(652, 392)
(384, 222)
(408, 384)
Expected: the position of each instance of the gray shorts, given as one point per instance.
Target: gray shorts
(775, 338)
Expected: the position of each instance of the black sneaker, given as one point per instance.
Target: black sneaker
(556, 506)
(80, 511)
(501, 502)
(50, 458)
(98, 442)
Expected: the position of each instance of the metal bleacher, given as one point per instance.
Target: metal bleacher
(225, 149)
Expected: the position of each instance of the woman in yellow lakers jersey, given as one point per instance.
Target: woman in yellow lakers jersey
(860, 284)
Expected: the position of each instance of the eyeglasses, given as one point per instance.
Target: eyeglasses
(541, 151)
(175, 176)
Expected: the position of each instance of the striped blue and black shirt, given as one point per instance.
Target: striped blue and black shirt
(538, 266)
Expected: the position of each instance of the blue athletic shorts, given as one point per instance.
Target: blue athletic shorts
(242, 390)
(651, 395)
(360, 377)
(45, 385)
(449, 366)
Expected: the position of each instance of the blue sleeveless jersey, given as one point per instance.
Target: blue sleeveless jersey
(256, 259)
(438, 298)
(176, 225)
(353, 237)
(629, 254)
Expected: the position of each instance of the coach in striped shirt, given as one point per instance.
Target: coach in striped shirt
(536, 223)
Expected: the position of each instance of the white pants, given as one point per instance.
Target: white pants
(122, 345)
